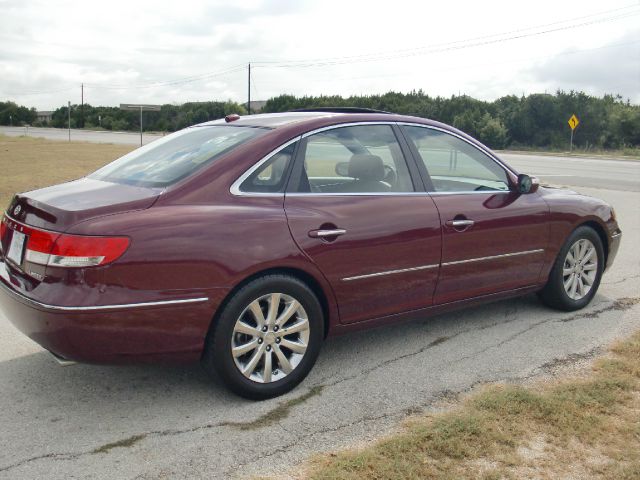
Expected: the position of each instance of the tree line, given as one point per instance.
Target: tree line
(537, 120)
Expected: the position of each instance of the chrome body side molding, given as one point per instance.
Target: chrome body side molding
(493, 257)
(389, 272)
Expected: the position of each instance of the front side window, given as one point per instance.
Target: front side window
(357, 159)
(455, 165)
(174, 157)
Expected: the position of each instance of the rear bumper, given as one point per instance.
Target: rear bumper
(171, 330)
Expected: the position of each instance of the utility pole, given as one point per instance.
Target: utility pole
(69, 117)
(249, 91)
(134, 107)
(82, 105)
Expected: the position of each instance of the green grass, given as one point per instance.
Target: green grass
(28, 163)
(630, 153)
(577, 428)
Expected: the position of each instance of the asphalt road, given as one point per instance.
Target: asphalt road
(144, 422)
(575, 171)
(578, 171)
(94, 136)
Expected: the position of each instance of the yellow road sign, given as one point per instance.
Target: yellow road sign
(573, 122)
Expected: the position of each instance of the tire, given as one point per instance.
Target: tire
(555, 294)
(237, 342)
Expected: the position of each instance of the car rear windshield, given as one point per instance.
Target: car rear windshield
(174, 157)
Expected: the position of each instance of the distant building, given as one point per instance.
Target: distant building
(257, 105)
(44, 117)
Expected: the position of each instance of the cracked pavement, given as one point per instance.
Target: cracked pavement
(145, 422)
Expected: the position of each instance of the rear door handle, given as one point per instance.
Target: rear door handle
(334, 232)
(459, 223)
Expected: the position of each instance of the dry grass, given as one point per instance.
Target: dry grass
(573, 429)
(27, 163)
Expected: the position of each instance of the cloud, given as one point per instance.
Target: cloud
(46, 46)
(614, 69)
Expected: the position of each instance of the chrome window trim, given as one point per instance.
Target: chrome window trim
(471, 192)
(350, 124)
(483, 149)
(395, 194)
(355, 194)
(389, 272)
(235, 187)
(102, 307)
(493, 257)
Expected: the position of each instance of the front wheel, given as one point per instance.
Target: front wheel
(267, 338)
(576, 273)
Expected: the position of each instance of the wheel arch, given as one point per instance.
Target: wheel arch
(297, 273)
(600, 230)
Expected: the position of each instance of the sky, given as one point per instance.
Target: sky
(174, 52)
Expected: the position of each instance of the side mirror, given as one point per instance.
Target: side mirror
(527, 184)
(342, 169)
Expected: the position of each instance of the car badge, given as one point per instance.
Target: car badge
(17, 210)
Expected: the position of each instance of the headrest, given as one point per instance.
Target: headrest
(366, 167)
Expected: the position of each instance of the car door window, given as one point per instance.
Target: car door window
(356, 159)
(455, 165)
(271, 177)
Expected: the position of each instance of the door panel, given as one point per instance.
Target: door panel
(383, 234)
(493, 239)
(502, 250)
(352, 209)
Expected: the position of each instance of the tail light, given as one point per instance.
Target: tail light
(72, 251)
(3, 230)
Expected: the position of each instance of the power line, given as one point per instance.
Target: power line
(485, 64)
(435, 49)
(179, 81)
(446, 44)
(374, 57)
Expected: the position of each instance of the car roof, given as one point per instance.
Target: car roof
(338, 115)
(271, 120)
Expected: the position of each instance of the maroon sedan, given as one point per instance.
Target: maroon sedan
(244, 242)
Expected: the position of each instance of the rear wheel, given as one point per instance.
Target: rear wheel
(267, 338)
(576, 273)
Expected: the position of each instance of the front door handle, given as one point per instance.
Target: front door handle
(334, 232)
(458, 224)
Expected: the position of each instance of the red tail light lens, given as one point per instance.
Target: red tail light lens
(78, 251)
(71, 251)
(3, 229)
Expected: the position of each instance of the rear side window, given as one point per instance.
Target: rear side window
(174, 157)
(454, 165)
(271, 177)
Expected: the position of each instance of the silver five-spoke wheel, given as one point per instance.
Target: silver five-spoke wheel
(580, 269)
(270, 337)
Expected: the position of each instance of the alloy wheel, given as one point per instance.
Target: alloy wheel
(580, 269)
(270, 337)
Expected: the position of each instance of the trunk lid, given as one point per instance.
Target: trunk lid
(61, 206)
